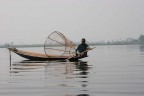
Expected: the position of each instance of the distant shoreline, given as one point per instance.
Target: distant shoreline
(42, 45)
(129, 41)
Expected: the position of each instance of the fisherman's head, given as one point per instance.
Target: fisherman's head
(83, 40)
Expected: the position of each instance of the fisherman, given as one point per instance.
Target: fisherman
(82, 48)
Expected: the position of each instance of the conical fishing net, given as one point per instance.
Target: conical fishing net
(59, 45)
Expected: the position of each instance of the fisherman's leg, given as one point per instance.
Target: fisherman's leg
(77, 54)
(85, 54)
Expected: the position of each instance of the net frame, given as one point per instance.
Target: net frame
(67, 45)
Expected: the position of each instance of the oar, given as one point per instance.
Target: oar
(80, 53)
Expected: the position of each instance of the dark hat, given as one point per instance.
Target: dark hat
(83, 40)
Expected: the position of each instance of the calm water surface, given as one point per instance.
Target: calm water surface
(108, 71)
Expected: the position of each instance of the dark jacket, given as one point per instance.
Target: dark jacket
(82, 47)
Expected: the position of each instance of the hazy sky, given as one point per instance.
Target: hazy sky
(31, 21)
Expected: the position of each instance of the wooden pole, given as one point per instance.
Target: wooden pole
(10, 58)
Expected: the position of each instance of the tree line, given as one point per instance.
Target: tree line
(128, 41)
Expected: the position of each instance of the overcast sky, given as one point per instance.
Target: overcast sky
(31, 21)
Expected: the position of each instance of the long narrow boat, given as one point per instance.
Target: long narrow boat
(42, 57)
(56, 47)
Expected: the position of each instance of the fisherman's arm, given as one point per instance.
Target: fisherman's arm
(89, 48)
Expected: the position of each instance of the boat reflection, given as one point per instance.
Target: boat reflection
(24, 66)
(71, 76)
(83, 95)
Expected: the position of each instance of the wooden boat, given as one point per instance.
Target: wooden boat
(42, 57)
(56, 47)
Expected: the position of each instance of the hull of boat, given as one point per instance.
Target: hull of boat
(41, 57)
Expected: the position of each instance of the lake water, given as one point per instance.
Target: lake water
(108, 71)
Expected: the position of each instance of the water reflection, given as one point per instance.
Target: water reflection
(69, 77)
(83, 67)
(83, 95)
(21, 66)
(141, 48)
